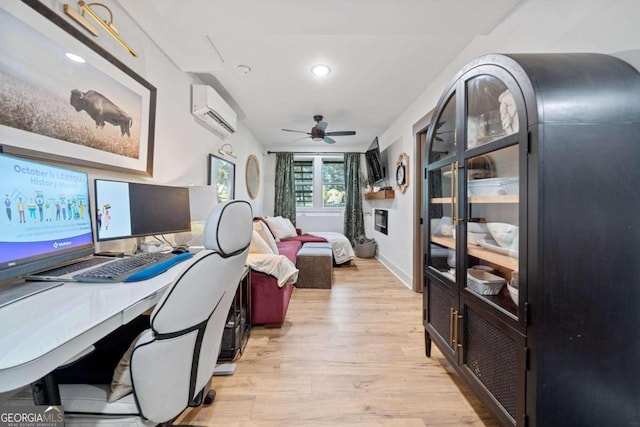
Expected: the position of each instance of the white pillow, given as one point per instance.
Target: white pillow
(121, 381)
(279, 227)
(258, 245)
(290, 225)
(266, 235)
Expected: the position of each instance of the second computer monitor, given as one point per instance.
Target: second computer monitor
(127, 209)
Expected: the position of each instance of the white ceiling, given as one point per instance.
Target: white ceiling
(383, 54)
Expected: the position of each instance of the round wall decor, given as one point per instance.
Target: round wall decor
(253, 176)
(402, 172)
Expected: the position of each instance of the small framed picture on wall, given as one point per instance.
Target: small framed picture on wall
(222, 175)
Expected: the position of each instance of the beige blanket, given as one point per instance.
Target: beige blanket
(277, 266)
(342, 250)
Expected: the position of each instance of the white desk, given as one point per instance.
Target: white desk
(42, 332)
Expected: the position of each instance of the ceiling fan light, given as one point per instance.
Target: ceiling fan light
(320, 70)
(317, 139)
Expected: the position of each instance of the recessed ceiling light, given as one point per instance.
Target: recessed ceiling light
(320, 70)
(243, 69)
(74, 57)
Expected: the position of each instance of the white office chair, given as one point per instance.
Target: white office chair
(173, 362)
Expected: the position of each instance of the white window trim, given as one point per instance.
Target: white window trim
(317, 182)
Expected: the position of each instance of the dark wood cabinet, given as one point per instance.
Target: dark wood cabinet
(238, 327)
(531, 260)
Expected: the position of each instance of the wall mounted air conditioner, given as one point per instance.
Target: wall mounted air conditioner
(212, 110)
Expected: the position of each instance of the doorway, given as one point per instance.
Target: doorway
(420, 129)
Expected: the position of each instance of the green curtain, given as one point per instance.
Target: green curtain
(285, 199)
(353, 218)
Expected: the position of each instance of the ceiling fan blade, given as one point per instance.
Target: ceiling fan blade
(299, 131)
(341, 133)
(322, 126)
(300, 139)
(329, 140)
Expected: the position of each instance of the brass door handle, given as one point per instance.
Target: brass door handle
(458, 344)
(453, 194)
(456, 216)
(454, 321)
(451, 326)
(454, 174)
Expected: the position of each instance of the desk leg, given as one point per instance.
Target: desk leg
(45, 391)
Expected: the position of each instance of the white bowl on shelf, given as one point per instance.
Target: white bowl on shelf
(483, 282)
(510, 185)
(494, 186)
(506, 235)
(477, 227)
(513, 293)
(445, 229)
(451, 259)
(472, 238)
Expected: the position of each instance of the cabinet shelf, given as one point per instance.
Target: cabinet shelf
(441, 200)
(481, 253)
(480, 199)
(383, 194)
(495, 199)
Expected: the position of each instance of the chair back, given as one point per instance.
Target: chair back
(175, 360)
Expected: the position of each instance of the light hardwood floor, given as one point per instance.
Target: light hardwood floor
(349, 356)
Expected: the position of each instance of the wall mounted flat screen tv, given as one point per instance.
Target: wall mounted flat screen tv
(45, 218)
(127, 209)
(375, 163)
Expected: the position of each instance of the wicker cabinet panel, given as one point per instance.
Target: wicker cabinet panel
(439, 309)
(490, 355)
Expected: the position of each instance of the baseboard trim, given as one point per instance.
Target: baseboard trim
(406, 279)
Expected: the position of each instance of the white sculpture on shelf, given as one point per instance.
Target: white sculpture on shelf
(508, 113)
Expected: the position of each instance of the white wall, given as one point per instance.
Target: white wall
(182, 145)
(537, 26)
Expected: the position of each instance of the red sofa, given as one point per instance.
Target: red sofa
(269, 302)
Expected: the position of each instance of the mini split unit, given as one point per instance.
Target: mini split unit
(212, 111)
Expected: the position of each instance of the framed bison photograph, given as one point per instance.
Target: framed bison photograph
(66, 99)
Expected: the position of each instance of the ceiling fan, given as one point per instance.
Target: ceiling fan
(318, 131)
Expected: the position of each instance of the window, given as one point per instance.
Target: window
(332, 183)
(319, 182)
(303, 176)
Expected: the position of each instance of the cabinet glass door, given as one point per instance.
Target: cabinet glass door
(443, 191)
(442, 207)
(491, 111)
(443, 142)
(492, 193)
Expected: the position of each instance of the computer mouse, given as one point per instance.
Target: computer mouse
(179, 250)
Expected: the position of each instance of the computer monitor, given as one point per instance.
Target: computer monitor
(45, 218)
(128, 209)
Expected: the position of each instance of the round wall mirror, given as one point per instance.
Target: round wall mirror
(253, 176)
